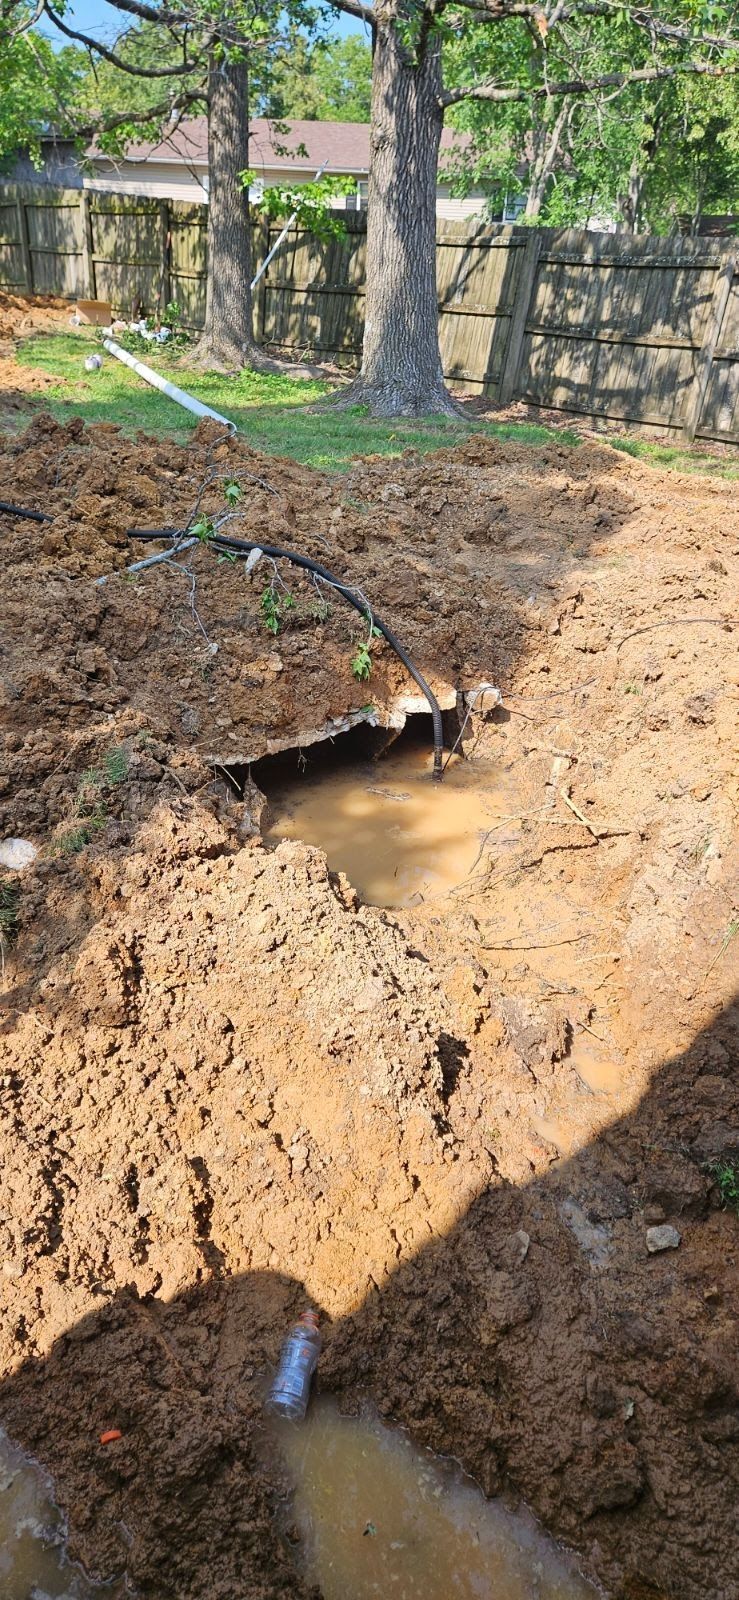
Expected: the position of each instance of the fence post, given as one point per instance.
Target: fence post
(704, 358)
(88, 260)
(24, 243)
(521, 305)
(165, 246)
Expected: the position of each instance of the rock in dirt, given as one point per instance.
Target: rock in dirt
(17, 854)
(663, 1238)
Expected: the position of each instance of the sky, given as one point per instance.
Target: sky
(103, 22)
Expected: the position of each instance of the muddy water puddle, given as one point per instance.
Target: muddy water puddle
(378, 1517)
(400, 838)
(34, 1564)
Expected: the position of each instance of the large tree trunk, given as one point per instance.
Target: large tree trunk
(401, 366)
(227, 340)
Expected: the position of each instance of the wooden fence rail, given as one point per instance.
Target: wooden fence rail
(600, 325)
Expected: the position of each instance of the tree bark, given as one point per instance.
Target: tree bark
(227, 340)
(546, 149)
(401, 371)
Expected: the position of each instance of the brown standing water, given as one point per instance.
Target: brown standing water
(400, 838)
(34, 1564)
(378, 1517)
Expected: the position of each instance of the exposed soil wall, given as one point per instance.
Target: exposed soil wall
(227, 1089)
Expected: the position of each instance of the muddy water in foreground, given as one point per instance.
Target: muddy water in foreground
(399, 837)
(33, 1561)
(377, 1517)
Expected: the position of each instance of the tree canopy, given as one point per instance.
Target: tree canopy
(38, 87)
(642, 154)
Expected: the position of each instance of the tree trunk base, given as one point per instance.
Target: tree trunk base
(225, 355)
(394, 398)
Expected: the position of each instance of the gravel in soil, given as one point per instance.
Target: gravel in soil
(228, 1089)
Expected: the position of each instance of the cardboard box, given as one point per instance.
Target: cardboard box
(96, 313)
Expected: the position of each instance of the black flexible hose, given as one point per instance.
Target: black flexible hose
(22, 511)
(221, 541)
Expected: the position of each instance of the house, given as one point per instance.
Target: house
(176, 167)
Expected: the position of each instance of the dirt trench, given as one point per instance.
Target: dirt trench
(228, 1089)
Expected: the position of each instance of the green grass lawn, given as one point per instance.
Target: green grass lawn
(282, 415)
(276, 414)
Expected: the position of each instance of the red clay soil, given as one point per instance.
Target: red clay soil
(228, 1090)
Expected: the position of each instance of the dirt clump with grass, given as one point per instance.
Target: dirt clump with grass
(229, 1090)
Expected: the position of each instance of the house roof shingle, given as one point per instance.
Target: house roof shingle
(343, 146)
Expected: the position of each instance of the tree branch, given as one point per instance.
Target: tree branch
(354, 8)
(577, 86)
(165, 109)
(110, 55)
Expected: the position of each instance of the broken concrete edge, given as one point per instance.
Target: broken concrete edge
(393, 716)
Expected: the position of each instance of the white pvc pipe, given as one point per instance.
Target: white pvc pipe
(170, 389)
(283, 235)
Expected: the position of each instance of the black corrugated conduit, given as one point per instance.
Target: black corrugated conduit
(244, 547)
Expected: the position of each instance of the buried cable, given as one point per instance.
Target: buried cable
(238, 547)
(23, 511)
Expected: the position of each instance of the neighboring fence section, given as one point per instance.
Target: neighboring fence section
(600, 325)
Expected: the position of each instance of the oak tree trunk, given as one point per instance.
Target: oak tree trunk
(227, 340)
(401, 371)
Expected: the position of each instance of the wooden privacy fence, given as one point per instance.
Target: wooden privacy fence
(601, 325)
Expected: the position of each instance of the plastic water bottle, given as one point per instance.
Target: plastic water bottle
(290, 1391)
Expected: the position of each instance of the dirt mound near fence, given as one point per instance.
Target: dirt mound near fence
(24, 314)
(228, 1089)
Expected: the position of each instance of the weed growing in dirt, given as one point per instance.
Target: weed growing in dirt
(90, 811)
(730, 934)
(362, 658)
(362, 662)
(725, 1174)
(9, 902)
(273, 607)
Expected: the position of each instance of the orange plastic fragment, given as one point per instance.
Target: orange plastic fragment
(110, 1435)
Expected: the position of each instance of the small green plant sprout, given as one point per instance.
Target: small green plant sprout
(232, 493)
(725, 1174)
(9, 901)
(362, 658)
(274, 608)
(631, 688)
(90, 812)
(362, 662)
(269, 606)
(203, 529)
(116, 765)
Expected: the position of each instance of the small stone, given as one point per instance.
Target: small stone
(524, 1241)
(664, 1238)
(263, 1113)
(17, 854)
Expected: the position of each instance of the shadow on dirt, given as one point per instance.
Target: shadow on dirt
(538, 1341)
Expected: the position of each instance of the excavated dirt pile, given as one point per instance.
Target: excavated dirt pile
(229, 1090)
